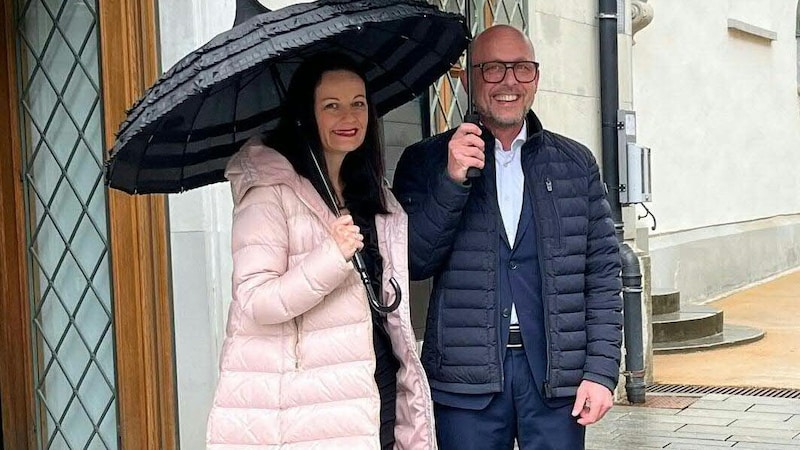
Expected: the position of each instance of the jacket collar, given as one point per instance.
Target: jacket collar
(255, 164)
(535, 132)
(535, 127)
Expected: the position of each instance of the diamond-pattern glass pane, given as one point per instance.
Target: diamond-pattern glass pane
(67, 237)
(448, 99)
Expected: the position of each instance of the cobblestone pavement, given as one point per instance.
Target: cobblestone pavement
(710, 422)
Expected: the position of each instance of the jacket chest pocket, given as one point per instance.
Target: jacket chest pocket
(551, 219)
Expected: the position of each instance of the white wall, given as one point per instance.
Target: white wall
(200, 239)
(564, 35)
(720, 110)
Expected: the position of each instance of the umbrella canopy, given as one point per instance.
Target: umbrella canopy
(181, 133)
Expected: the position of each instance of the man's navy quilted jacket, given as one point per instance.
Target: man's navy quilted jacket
(453, 237)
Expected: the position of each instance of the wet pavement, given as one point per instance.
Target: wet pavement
(723, 421)
(708, 422)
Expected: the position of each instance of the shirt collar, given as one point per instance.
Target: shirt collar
(522, 136)
(507, 156)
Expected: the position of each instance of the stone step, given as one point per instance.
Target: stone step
(666, 301)
(730, 335)
(692, 322)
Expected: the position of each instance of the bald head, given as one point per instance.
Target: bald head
(499, 36)
(503, 104)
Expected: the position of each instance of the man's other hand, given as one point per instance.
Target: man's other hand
(592, 402)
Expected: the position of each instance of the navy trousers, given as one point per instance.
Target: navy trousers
(518, 413)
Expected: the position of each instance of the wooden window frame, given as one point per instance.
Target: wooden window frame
(139, 249)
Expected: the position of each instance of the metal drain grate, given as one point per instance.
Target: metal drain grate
(666, 401)
(726, 390)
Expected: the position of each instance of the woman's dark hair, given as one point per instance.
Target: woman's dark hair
(362, 169)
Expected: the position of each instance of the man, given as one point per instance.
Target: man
(524, 322)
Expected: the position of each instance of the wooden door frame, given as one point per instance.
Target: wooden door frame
(144, 338)
(16, 387)
(139, 249)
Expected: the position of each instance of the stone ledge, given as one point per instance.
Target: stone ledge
(734, 24)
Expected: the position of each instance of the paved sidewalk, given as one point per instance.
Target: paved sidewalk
(710, 422)
(774, 361)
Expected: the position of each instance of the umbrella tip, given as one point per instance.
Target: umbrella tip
(247, 9)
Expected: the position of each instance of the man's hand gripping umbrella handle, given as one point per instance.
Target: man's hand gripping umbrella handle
(472, 117)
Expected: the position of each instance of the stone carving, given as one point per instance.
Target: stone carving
(641, 14)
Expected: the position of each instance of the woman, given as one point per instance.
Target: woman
(306, 362)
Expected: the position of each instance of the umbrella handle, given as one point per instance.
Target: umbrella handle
(374, 303)
(472, 117)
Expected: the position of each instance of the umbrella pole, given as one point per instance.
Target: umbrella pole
(328, 191)
(471, 116)
(358, 260)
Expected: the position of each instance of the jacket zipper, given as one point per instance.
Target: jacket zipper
(545, 315)
(500, 349)
(387, 273)
(298, 319)
(409, 338)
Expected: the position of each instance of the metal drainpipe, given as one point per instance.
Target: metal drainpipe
(632, 310)
(631, 272)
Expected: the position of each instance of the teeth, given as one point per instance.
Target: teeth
(506, 98)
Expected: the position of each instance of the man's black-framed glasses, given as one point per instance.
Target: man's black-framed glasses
(495, 71)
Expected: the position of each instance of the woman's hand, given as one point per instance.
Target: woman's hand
(347, 236)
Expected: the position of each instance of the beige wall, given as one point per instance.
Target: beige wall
(200, 223)
(565, 37)
(720, 108)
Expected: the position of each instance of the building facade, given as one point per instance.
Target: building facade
(716, 94)
(113, 307)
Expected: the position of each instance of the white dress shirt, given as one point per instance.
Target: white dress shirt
(510, 188)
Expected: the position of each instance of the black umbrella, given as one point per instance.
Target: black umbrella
(180, 135)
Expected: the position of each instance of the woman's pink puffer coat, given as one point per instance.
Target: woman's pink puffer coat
(297, 365)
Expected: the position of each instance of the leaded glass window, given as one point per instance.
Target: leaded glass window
(66, 224)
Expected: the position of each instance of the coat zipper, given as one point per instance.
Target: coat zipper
(545, 315)
(500, 349)
(299, 319)
(409, 337)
